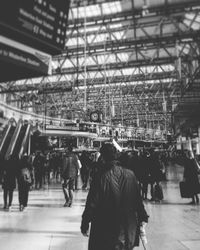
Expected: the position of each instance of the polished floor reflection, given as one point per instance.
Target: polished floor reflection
(47, 225)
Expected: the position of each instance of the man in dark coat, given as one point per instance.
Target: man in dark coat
(70, 168)
(114, 206)
(86, 163)
(191, 176)
(9, 180)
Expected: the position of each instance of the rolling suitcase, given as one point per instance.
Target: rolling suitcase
(184, 190)
(158, 192)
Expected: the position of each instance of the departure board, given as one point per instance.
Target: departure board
(40, 24)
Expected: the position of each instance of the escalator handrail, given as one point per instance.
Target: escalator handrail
(5, 136)
(14, 139)
(24, 140)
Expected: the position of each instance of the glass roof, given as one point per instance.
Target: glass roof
(192, 20)
(108, 73)
(133, 83)
(96, 10)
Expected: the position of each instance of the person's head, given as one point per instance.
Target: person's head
(108, 151)
(25, 156)
(70, 148)
(189, 154)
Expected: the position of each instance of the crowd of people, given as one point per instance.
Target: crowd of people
(15, 172)
(149, 167)
(117, 183)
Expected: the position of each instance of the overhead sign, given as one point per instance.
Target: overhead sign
(40, 24)
(19, 62)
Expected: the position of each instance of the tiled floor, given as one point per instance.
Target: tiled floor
(47, 225)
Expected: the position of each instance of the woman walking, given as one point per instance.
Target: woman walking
(25, 180)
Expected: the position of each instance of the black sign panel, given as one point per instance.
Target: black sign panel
(17, 64)
(68, 141)
(40, 24)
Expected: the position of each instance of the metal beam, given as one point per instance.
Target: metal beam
(188, 5)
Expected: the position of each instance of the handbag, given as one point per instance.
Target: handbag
(26, 176)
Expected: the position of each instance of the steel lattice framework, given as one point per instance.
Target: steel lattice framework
(133, 62)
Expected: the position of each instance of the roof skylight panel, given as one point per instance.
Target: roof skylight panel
(71, 42)
(54, 78)
(190, 16)
(20, 82)
(110, 73)
(123, 56)
(81, 12)
(90, 29)
(71, 14)
(95, 10)
(111, 8)
(67, 64)
(54, 64)
(100, 38)
(75, 13)
(36, 80)
(187, 22)
(195, 26)
(90, 61)
(118, 34)
(90, 38)
(111, 58)
(115, 25)
(65, 77)
(92, 74)
(101, 59)
(197, 19)
(127, 71)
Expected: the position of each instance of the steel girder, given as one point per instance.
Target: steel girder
(65, 81)
(143, 44)
(77, 3)
(145, 48)
(162, 9)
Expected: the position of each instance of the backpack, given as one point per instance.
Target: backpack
(26, 176)
(70, 166)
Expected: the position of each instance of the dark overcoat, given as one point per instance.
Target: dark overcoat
(191, 176)
(9, 174)
(70, 165)
(115, 209)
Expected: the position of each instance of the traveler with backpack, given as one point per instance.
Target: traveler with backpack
(70, 169)
(25, 180)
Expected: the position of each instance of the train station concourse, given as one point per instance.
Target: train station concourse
(174, 224)
(100, 124)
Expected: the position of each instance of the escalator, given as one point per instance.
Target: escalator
(20, 140)
(6, 138)
(26, 141)
(14, 139)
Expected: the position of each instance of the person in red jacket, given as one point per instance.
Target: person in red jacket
(114, 206)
